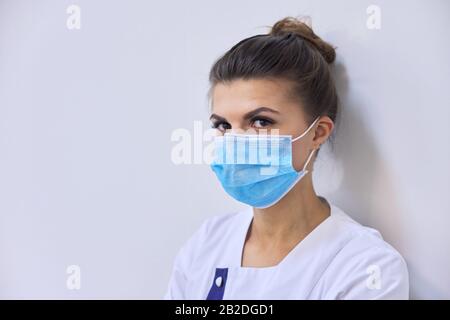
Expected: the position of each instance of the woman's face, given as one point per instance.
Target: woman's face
(264, 104)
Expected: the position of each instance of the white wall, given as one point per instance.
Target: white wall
(86, 118)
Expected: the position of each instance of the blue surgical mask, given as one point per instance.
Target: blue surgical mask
(257, 169)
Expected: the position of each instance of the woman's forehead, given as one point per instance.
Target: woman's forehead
(247, 94)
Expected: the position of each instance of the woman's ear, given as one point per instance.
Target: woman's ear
(323, 130)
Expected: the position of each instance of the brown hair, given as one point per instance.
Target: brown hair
(292, 51)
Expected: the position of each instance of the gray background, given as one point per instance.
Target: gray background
(86, 117)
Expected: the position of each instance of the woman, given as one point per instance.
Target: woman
(276, 90)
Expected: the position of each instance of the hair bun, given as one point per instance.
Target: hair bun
(300, 27)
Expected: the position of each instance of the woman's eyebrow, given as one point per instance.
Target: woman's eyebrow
(215, 116)
(248, 115)
(252, 113)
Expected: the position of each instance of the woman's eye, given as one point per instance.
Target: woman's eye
(261, 123)
(221, 126)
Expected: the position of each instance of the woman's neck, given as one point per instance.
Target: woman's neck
(292, 218)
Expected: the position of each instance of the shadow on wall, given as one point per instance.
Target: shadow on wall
(367, 190)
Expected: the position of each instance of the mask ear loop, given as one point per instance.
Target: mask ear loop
(307, 161)
(306, 131)
(312, 152)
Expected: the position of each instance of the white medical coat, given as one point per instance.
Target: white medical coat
(339, 259)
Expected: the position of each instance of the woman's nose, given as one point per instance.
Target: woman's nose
(239, 129)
